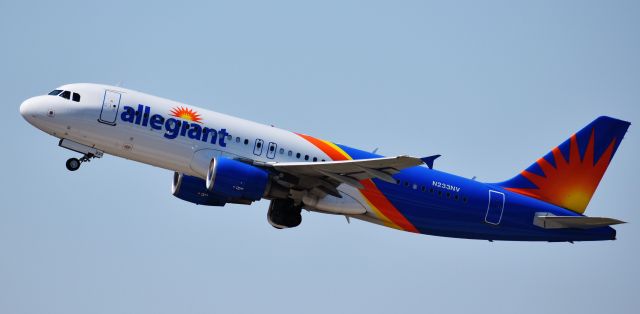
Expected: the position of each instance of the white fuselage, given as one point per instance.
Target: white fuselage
(142, 127)
(85, 122)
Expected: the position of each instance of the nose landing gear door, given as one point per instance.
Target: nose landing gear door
(110, 106)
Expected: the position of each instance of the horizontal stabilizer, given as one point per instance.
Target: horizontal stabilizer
(549, 221)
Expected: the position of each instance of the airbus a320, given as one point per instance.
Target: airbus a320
(218, 159)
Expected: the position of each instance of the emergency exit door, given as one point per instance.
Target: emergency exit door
(271, 150)
(257, 147)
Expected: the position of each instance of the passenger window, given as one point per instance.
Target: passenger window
(424, 188)
(290, 153)
(246, 141)
(415, 186)
(272, 148)
(55, 92)
(259, 144)
(406, 183)
(229, 137)
(76, 97)
(315, 159)
(238, 139)
(306, 157)
(298, 155)
(281, 151)
(66, 94)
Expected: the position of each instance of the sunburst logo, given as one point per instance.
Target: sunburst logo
(186, 114)
(571, 183)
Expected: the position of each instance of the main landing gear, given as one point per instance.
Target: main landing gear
(73, 164)
(284, 213)
(89, 152)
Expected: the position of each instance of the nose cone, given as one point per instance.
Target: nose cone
(34, 110)
(28, 109)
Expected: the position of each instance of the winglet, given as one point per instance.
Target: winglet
(429, 160)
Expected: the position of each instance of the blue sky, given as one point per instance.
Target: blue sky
(490, 85)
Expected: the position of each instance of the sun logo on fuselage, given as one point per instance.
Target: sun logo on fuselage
(185, 113)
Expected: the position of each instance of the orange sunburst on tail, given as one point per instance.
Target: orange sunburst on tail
(569, 175)
(571, 183)
(186, 114)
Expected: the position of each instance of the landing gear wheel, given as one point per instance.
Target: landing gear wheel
(73, 164)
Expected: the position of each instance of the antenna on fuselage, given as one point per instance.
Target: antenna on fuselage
(374, 151)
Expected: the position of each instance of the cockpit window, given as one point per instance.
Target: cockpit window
(65, 94)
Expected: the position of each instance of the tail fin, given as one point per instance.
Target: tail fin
(569, 174)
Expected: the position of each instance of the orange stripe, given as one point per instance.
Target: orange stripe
(326, 148)
(381, 205)
(375, 196)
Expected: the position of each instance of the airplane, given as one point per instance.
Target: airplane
(219, 159)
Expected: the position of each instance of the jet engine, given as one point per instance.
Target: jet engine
(227, 181)
(193, 190)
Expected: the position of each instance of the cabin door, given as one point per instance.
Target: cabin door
(110, 106)
(495, 207)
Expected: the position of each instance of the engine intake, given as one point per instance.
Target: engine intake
(236, 179)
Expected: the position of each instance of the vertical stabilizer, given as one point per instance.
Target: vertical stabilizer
(569, 174)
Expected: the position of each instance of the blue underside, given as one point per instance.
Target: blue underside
(445, 210)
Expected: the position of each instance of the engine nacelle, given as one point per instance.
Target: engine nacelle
(193, 190)
(227, 181)
(236, 180)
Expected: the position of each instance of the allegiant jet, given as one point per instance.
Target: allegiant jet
(219, 159)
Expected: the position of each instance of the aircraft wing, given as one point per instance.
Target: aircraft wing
(333, 173)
